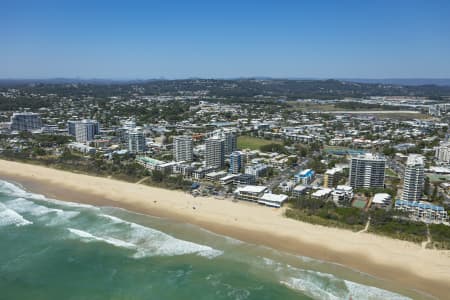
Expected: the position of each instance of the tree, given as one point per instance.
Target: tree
(435, 191)
(157, 176)
(273, 147)
(426, 186)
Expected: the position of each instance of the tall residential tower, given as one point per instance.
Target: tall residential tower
(84, 130)
(136, 141)
(26, 121)
(215, 153)
(367, 171)
(414, 178)
(182, 148)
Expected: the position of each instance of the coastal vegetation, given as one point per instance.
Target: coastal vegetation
(440, 236)
(394, 224)
(326, 213)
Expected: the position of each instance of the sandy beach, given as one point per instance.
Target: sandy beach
(404, 263)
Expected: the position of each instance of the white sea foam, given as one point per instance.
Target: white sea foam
(359, 291)
(151, 242)
(14, 190)
(11, 217)
(90, 237)
(230, 240)
(26, 206)
(54, 216)
(71, 204)
(328, 287)
(114, 219)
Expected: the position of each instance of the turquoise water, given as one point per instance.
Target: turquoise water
(51, 249)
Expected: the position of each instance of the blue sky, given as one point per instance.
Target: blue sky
(179, 39)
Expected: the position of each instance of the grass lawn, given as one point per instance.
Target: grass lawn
(253, 143)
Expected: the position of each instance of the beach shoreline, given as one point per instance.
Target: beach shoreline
(402, 262)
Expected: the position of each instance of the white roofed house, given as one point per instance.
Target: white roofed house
(274, 200)
(228, 179)
(381, 200)
(287, 186)
(322, 193)
(342, 194)
(300, 190)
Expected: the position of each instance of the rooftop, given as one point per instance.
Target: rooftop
(381, 198)
(414, 159)
(251, 189)
(369, 156)
(416, 204)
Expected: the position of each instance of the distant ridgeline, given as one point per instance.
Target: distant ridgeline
(238, 89)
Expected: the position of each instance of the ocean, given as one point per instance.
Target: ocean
(50, 249)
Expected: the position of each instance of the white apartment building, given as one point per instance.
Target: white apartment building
(136, 141)
(183, 148)
(215, 153)
(256, 170)
(414, 178)
(367, 171)
(229, 137)
(85, 130)
(443, 153)
(26, 121)
(236, 162)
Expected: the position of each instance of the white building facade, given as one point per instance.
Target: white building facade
(367, 171)
(215, 153)
(26, 121)
(414, 178)
(183, 148)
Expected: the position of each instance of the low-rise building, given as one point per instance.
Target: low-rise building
(148, 162)
(342, 194)
(250, 192)
(183, 169)
(244, 179)
(423, 211)
(304, 177)
(228, 179)
(274, 200)
(381, 200)
(215, 176)
(166, 167)
(331, 177)
(300, 190)
(287, 186)
(322, 194)
(256, 170)
(80, 147)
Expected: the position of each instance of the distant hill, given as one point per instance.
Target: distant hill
(406, 81)
(244, 88)
(99, 81)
